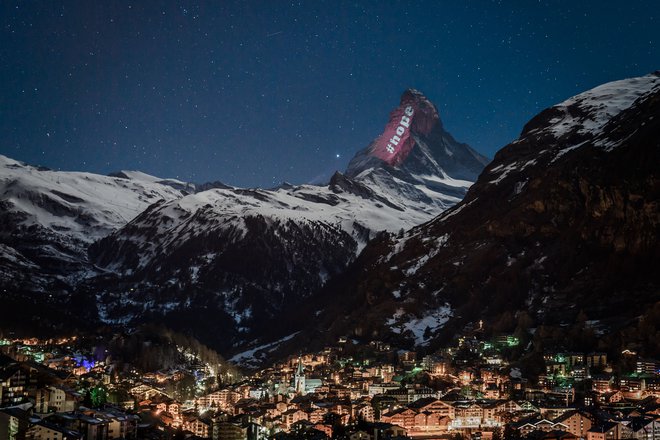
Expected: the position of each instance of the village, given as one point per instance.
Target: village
(51, 390)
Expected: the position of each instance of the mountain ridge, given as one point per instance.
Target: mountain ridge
(563, 222)
(275, 246)
(245, 254)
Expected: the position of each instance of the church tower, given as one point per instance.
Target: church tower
(299, 378)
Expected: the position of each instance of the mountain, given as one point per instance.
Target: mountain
(227, 262)
(557, 241)
(416, 144)
(49, 218)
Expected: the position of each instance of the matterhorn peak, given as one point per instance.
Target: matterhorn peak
(415, 115)
(415, 140)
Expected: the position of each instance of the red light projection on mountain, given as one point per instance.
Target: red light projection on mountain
(414, 115)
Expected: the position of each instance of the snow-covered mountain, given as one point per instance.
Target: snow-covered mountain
(49, 218)
(245, 255)
(417, 146)
(563, 224)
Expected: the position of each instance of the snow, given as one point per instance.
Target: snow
(144, 177)
(597, 326)
(453, 212)
(382, 201)
(540, 260)
(519, 187)
(582, 119)
(563, 151)
(598, 106)
(230, 207)
(503, 172)
(194, 273)
(81, 206)
(11, 255)
(447, 180)
(105, 314)
(250, 357)
(434, 194)
(440, 242)
(433, 320)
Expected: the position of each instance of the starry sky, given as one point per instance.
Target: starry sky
(254, 93)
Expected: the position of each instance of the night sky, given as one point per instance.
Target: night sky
(256, 93)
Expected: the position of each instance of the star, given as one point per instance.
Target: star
(177, 77)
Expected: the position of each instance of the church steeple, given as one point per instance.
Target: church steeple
(299, 378)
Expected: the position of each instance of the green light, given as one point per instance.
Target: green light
(98, 396)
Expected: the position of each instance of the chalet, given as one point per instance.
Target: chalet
(292, 416)
(327, 429)
(647, 366)
(198, 426)
(644, 428)
(467, 415)
(15, 385)
(608, 431)
(610, 397)
(577, 422)
(601, 383)
(364, 411)
(317, 415)
(404, 417)
(145, 392)
(228, 430)
(539, 425)
(434, 406)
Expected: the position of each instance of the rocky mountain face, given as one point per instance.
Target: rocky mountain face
(416, 144)
(561, 227)
(225, 262)
(247, 256)
(48, 219)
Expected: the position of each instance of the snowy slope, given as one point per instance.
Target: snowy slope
(587, 120)
(54, 215)
(372, 196)
(564, 221)
(245, 255)
(588, 112)
(331, 206)
(238, 247)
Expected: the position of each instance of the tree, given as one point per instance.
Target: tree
(98, 396)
